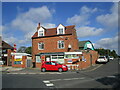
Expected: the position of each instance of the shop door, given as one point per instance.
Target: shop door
(47, 58)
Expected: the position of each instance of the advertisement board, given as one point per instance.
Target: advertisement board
(18, 58)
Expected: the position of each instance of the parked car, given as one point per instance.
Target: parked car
(102, 59)
(53, 66)
(111, 57)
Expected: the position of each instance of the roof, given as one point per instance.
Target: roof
(6, 45)
(82, 43)
(53, 31)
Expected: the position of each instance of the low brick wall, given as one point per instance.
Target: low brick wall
(23, 65)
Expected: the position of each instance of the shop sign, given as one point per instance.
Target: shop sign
(83, 59)
(18, 58)
(69, 60)
(17, 62)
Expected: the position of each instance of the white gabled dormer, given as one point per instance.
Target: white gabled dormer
(41, 31)
(60, 29)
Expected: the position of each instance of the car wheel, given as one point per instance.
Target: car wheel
(60, 70)
(43, 70)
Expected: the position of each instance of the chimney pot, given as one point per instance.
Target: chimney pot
(38, 24)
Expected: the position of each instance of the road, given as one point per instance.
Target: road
(106, 76)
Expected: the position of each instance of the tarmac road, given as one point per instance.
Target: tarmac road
(104, 76)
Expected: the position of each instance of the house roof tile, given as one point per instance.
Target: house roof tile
(53, 31)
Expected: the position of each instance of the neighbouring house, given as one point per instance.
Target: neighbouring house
(89, 55)
(6, 53)
(60, 44)
(85, 45)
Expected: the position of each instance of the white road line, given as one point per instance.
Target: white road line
(93, 68)
(50, 84)
(67, 79)
(22, 73)
(31, 73)
(13, 73)
(111, 76)
(46, 81)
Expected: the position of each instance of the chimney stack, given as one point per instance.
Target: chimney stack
(38, 26)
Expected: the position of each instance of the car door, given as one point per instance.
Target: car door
(54, 66)
(48, 65)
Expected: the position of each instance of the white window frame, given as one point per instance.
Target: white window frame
(59, 31)
(60, 27)
(57, 58)
(61, 44)
(41, 46)
(41, 31)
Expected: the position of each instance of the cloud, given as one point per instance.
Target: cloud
(110, 20)
(108, 43)
(82, 17)
(87, 31)
(27, 23)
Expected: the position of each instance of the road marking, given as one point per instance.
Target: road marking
(67, 79)
(111, 76)
(56, 80)
(46, 81)
(22, 73)
(50, 84)
(93, 68)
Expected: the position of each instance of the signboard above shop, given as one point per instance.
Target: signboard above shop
(73, 52)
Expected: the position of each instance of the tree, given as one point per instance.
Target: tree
(107, 52)
(28, 50)
(21, 49)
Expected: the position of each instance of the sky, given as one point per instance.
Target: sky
(94, 21)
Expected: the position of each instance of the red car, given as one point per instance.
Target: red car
(53, 65)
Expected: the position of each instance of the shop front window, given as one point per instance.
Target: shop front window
(71, 56)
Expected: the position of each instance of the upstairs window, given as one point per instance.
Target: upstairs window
(41, 46)
(41, 32)
(61, 31)
(60, 44)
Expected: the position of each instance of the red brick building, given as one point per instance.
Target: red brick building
(60, 44)
(58, 40)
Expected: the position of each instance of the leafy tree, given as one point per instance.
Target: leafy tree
(28, 50)
(21, 49)
(107, 52)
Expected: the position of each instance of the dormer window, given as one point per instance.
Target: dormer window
(40, 32)
(60, 29)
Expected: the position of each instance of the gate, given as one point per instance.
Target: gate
(29, 62)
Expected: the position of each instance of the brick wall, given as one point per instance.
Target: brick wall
(51, 45)
(23, 65)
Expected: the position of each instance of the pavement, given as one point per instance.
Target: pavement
(13, 70)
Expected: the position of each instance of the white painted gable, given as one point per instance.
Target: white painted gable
(41, 29)
(60, 27)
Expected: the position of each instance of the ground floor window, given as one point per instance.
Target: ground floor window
(71, 56)
(38, 60)
(58, 58)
